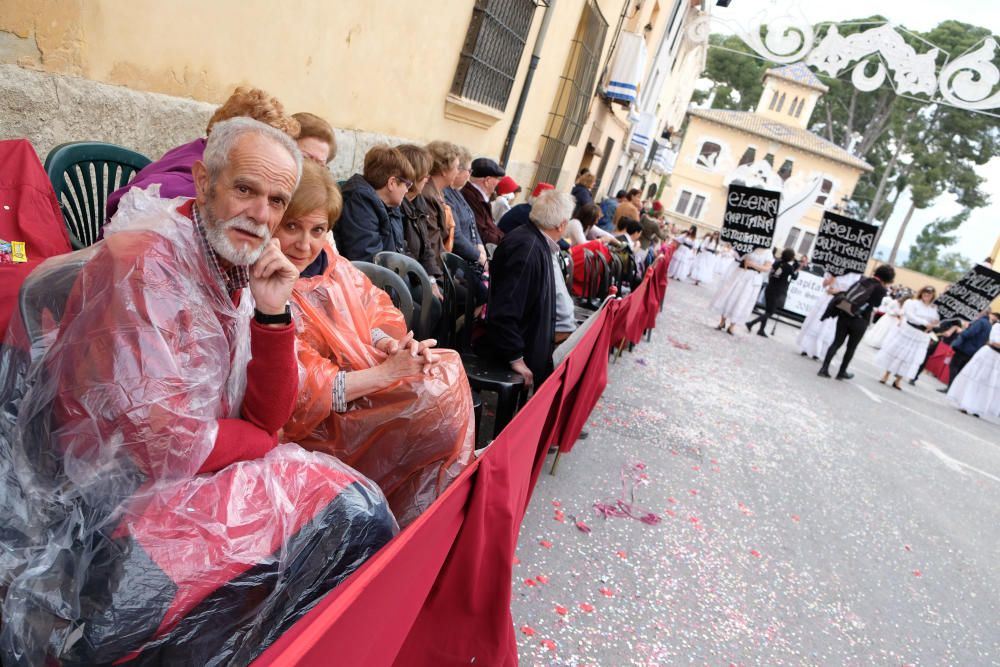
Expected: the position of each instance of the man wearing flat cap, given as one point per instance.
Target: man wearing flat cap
(486, 173)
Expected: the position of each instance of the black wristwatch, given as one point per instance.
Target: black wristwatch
(280, 318)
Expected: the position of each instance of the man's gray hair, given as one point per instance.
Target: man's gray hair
(225, 134)
(551, 209)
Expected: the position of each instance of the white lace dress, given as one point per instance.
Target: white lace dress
(977, 388)
(903, 352)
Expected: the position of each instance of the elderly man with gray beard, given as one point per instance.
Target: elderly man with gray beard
(169, 524)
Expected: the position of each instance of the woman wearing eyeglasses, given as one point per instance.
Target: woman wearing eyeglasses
(371, 221)
(902, 354)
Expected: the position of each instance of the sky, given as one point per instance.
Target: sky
(978, 235)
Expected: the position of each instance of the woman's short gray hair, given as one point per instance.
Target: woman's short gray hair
(225, 134)
(551, 209)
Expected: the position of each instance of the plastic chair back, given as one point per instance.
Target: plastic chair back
(457, 272)
(391, 284)
(415, 277)
(83, 174)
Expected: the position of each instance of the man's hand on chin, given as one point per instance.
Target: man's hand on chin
(272, 278)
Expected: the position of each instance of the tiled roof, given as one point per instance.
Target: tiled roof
(750, 122)
(800, 74)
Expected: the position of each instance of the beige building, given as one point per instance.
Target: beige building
(717, 142)
(145, 75)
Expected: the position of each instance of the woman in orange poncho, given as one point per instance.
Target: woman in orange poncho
(393, 408)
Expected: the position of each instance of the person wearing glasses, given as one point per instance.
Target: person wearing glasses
(371, 221)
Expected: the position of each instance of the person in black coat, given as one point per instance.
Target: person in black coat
(851, 325)
(520, 320)
(371, 222)
(783, 272)
(581, 191)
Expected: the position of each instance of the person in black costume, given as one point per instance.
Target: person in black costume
(851, 326)
(783, 272)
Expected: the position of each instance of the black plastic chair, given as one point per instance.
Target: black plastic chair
(420, 285)
(391, 284)
(83, 174)
(458, 317)
(486, 375)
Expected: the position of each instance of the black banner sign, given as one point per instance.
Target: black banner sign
(843, 245)
(750, 219)
(971, 295)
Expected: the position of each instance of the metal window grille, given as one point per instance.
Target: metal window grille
(492, 51)
(573, 96)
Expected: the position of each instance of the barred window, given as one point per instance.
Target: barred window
(492, 51)
(574, 94)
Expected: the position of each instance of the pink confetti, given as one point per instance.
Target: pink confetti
(671, 513)
(517, 561)
(606, 592)
(918, 573)
(582, 527)
(693, 492)
(556, 503)
(714, 461)
(671, 499)
(559, 516)
(528, 630)
(755, 553)
(746, 510)
(545, 543)
(585, 606)
(696, 468)
(621, 554)
(542, 579)
(907, 547)
(561, 610)
(795, 518)
(530, 582)
(693, 519)
(549, 644)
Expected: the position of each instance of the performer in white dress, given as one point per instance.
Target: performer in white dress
(738, 293)
(902, 354)
(817, 334)
(725, 261)
(705, 262)
(976, 390)
(888, 324)
(683, 259)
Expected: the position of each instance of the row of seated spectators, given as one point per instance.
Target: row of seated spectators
(224, 418)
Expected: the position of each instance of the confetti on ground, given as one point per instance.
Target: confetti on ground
(791, 478)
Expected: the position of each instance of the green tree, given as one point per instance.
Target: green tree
(736, 74)
(927, 252)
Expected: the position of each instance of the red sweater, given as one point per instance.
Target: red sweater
(272, 385)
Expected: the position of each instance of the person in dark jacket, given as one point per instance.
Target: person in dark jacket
(851, 328)
(371, 221)
(468, 245)
(967, 343)
(421, 233)
(477, 192)
(783, 272)
(519, 215)
(521, 316)
(581, 191)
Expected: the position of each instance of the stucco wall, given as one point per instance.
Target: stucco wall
(378, 67)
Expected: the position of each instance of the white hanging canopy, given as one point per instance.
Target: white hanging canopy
(627, 68)
(642, 133)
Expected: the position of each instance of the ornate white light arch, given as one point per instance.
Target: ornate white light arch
(968, 82)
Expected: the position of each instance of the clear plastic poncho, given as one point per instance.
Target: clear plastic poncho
(411, 438)
(112, 379)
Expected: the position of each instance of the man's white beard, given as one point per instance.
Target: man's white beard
(216, 230)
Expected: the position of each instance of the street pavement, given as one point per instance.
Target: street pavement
(755, 514)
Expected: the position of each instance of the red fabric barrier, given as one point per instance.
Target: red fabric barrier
(29, 213)
(439, 593)
(939, 362)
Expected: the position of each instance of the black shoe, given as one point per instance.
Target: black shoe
(823, 373)
(803, 354)
(762, 334)
(913, 382)
(749, 327)
(843, 375)
(943, 391)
